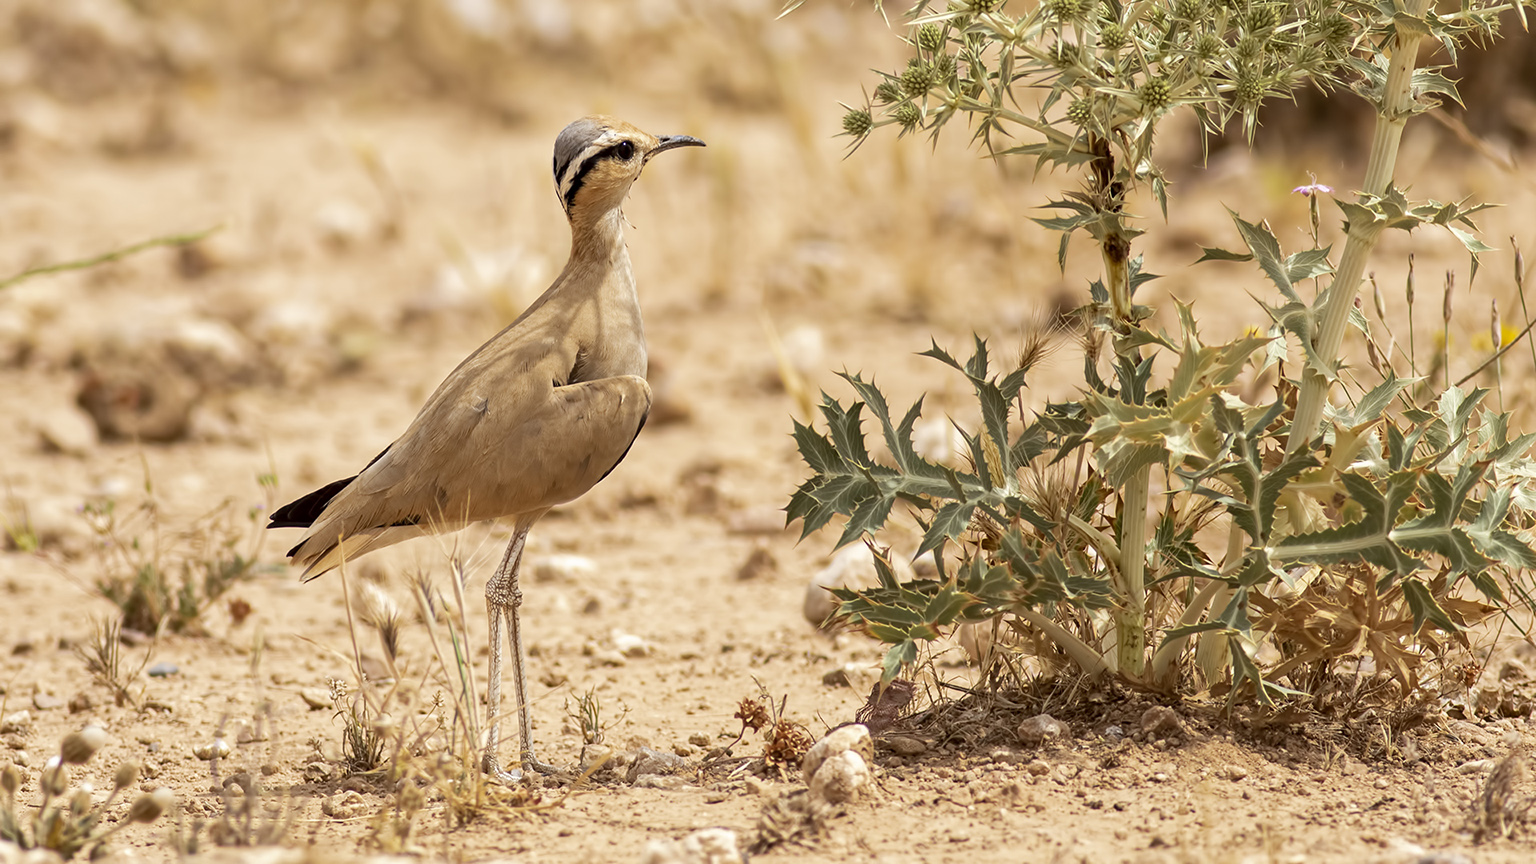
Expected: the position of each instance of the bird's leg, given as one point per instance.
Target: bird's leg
(496, 592)
(502, 599)
(525, 721)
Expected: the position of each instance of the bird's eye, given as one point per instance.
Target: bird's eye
(624, 150)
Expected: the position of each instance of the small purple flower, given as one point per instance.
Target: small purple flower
(1313, 188)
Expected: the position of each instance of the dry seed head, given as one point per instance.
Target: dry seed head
(908, 115)
(930, 37)
(1112, 37)
(149, 807)
(857, 123)
(127, 774)
(1519, 265)
(80, 802)
(886, 92)
(79, 747)
(55, 778)
(1494, 330)
(10, 779)
(1450, 288)
(752, 714)
(1380, 301)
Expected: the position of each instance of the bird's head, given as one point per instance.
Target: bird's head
(597, 158)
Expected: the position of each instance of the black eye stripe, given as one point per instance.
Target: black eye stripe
(610, 152)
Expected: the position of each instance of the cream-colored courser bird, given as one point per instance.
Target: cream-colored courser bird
(531, 420)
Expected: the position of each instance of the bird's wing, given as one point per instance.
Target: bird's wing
(484, 449)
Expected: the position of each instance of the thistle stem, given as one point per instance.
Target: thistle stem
(1391, 116)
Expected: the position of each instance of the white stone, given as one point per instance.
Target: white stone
(854, 737)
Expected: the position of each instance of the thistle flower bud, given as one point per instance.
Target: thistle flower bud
(1408, 286)
(10, 780)
(1335, 29)
(127, 774)
(1155, 95)
(1381, 303)
(887, 91)
(79, 747)
(149, 807)
(1066, 10)
(908, 115)
(1250, 90)
(1450, 288)
(917, 79)
(857, 123)
(1262, 21)
(1080, 112)
(1208, 46)
(1189, 10)
(1063, 55)
(1495, 328)
(981, 7)
(1248, 49)
(943, 68)
(80, 802)
(1519, 266)
(1112, 37)
(930, 37)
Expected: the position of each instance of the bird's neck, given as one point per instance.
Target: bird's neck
(601, 278)
(598, 240)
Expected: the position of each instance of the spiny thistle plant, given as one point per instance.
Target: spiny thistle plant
(68, 822)
(1384, 528)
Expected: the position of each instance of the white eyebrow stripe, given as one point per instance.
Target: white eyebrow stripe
(573, 167)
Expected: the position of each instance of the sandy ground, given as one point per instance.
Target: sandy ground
(335, 297)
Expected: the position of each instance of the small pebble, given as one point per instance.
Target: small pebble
(1381, 783)
(348, 805)
(317, 698)
(1038, 767)
(46, 701)
(699, 739)
(1041, 729)
(1234, 772)
(19, 721)
(906, 745)
(630, 645)
(162, 670)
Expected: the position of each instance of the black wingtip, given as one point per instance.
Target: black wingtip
(303, 512)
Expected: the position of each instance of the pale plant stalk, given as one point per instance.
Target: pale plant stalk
(1131, 610)
(1392, 115)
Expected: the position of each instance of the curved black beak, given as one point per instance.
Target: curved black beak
(669, 142)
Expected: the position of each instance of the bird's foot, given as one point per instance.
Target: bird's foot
(533, 764)
(491, 767)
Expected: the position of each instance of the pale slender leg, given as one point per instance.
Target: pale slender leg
(502, 599)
